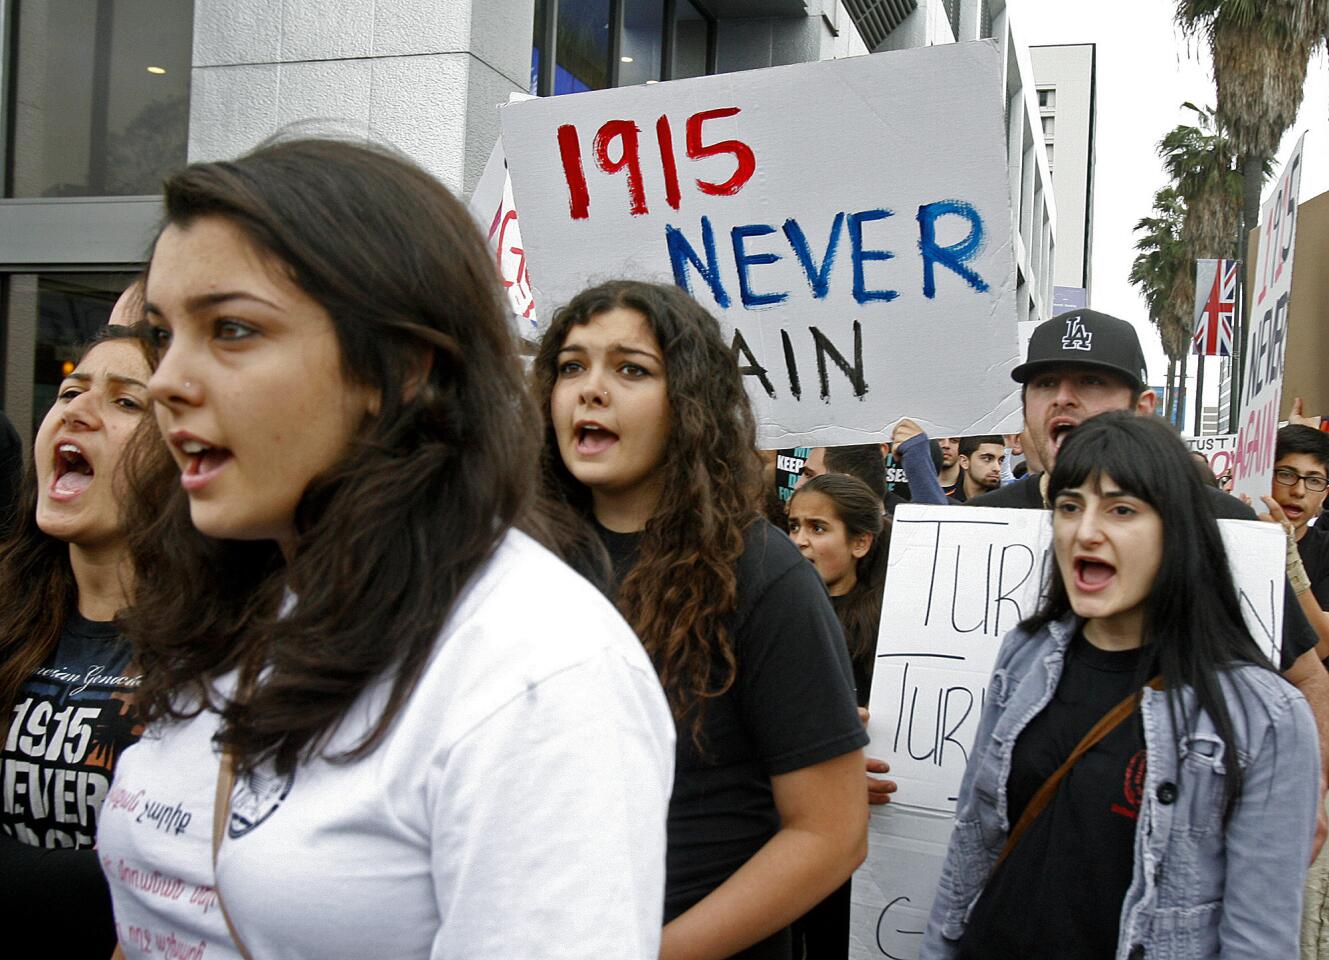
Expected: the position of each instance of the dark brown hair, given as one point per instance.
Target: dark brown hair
(388, 537)
(36, 579)
(860, 510)
(683, 589)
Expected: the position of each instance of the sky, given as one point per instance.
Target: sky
(1146, 70)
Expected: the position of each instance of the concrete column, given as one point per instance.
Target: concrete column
(422, 75)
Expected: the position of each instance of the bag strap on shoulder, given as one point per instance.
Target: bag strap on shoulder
(1106, 724)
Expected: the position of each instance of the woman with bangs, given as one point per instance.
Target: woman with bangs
(66, 678)
(649, 439)
(1143, 783)
(381, 721)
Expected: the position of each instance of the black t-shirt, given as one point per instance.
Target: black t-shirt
(1314, 549)
(862, 664)
(1298, 635)
(1058, 895)
(791, 706)
(70, 723)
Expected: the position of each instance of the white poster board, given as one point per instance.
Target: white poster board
(959, 578)
(847, 221)
(1266, 342)
(1220, 450)
(494, 209)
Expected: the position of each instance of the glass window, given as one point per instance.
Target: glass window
(643, 30)
(71, 308)
(691, 37)
(1049, 126)
(1047, 97)
(102, 96)
(582, 47)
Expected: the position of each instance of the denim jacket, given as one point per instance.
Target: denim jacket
(1200, 888)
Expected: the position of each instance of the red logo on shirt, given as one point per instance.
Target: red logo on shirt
(1132, 788)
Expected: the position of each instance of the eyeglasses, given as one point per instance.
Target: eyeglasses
(1289, 477)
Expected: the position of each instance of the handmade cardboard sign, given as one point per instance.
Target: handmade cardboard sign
(847, 221)
(1266, 343)
(493, 208)
(1220, 450)
(959, 579)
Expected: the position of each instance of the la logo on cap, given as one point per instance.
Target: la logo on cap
(1077, 337)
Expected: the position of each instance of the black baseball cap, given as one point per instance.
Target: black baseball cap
(1087, 338)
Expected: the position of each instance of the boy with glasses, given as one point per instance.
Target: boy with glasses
(1301, 478)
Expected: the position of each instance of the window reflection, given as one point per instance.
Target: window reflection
(102, 93)
(643, 30)
(691, 30)
(582, 47)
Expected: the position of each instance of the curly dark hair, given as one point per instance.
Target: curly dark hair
(681, 593)
(387, 538)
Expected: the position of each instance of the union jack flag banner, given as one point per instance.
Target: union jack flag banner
(1215, 306)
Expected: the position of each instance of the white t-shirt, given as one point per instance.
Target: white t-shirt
(515, 809)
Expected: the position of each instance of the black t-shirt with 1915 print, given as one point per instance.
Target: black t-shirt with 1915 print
(1058, 895)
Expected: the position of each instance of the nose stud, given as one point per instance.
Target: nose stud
(189, 385)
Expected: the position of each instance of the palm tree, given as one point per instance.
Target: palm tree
(1199, 161)
(1260, 50)
(1160, 270)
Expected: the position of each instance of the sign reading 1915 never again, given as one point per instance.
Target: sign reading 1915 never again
(1266, 344)
(848, 221)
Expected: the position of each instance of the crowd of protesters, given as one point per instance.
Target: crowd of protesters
(327, 632)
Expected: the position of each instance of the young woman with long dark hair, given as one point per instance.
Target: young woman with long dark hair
(836, 521)
(649, 437)
(1182, 821)
(66, 681)
(435, 739)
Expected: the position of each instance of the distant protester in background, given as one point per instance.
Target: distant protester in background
(648, 439)
(948, 474)
(66, 681)
(836, 522)
(981, 459)
(910, 448)
(1202, 468)
(1143, 783)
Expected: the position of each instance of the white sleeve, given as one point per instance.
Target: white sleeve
(548, 820)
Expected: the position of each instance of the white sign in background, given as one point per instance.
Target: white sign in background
(493, 208)
(959, 579)
(1220, 450)
(1270, 297)
(849, 222)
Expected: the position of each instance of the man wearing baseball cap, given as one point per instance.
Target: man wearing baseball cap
(1078, 364)
(1083, 363)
